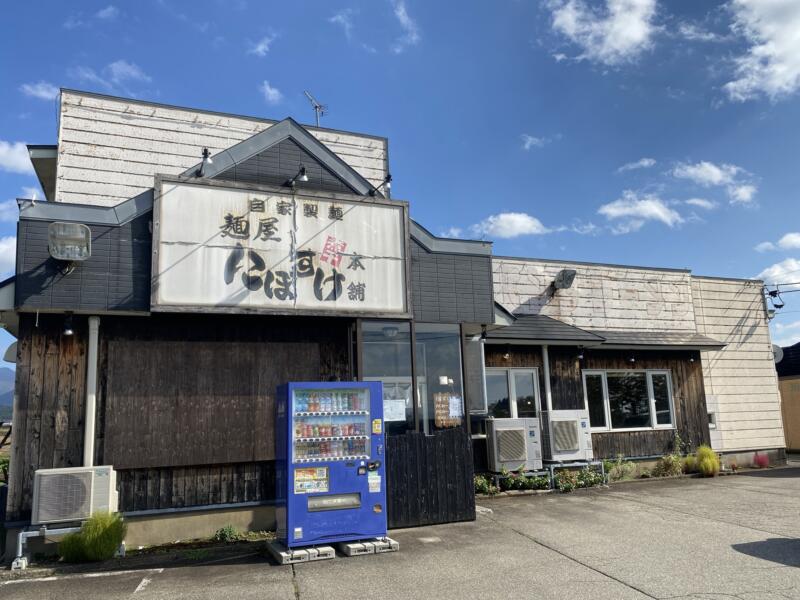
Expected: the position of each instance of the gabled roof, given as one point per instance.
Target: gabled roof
(286, 129)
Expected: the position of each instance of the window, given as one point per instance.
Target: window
(439, 382)
(618, 400)
(512, 393)
(387, 357)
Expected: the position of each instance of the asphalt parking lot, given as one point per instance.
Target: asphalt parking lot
(731, 537)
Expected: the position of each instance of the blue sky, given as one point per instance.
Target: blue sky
(632, 131)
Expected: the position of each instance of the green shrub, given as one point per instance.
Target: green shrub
(98, 539)
(707, 461)
(4, 463)
(670, 465)
(690, 464)
(102, 534)
(619, 469)
(645, 474)
(708, 466)
(484, 485)
(566, 481)
(227, 534)
(71, 548)
(589, 477)
(537, 483)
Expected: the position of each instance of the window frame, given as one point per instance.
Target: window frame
(603, 373)
(512, 388)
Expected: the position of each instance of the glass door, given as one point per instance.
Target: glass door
(526, 398)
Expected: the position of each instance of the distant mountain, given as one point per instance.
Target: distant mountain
(6, 380)
(6, 393)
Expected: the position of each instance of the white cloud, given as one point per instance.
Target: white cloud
(764, 247)
(262, 46)
(42, 90)
(695, 33)
(786, 271)
(115, 76)
(642, 163)
(771, 65)
(109, 13)
(271, 94)
(613, 36)
(632, 211)
(790, 241)
(509, 225)
(530, 141)
(73, 22)
(785, 334)
(701, 203)
(344, 19)
(14, 158)
(122, 71)
(452, 232)
(8, 255)
(708, 174)
(9, 211)
(411, 35)
(742, 194)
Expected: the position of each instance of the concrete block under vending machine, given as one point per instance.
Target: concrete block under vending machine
(386, 545)
(356, 548)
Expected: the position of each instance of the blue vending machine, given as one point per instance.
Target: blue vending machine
(330, 472)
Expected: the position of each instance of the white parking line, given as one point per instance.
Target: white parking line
(142, 584)
(81, 576)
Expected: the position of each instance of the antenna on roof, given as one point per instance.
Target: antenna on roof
(319, 109)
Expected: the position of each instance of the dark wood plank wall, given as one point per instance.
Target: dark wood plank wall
(48, 410)
(188, 401)
(170, 487)
(566, 385)
(518, 356)
(429, 478)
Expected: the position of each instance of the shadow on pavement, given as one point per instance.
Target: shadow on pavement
(778, 550)
(784, 473)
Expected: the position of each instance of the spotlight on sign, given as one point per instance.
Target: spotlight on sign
(69, 242)
(564, 279)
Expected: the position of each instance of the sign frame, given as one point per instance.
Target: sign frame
(297, 194)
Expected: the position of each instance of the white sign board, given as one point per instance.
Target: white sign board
(222, 249)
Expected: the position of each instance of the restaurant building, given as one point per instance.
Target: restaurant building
(278, 255)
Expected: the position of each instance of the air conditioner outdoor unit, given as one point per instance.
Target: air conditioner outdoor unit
(514, 444)
(73, 494)
(567, 436)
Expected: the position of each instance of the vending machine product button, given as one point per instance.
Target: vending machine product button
(362, 470)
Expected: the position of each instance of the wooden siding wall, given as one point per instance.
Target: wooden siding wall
(110, 148)
(149, 489)
(566, 385)
(48, 405)
(740, 379)
(602, 296)
(189, 390)
(429, 478)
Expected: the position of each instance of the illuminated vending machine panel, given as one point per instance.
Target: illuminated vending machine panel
(331, 484)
